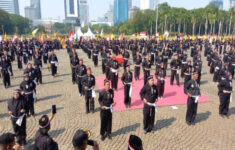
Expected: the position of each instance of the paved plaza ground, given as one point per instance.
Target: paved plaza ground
(211, 132)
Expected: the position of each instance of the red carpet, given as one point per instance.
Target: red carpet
(173, 95)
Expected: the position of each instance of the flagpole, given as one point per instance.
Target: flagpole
(157, 1)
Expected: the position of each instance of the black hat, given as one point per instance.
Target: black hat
(135, 143)
(7, 138)
(79, 137)
(150, 77)
(44, 121)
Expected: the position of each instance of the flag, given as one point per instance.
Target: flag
(157, 34)
(34, 31)
(15, 37)
(71, 35)
(0, 38)
(143, 33)
(5, 37)
(166, 34)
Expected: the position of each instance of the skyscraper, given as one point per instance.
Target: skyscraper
(133, 11)
(147, 4)
(232, 4)
(120, 11)
(71, 11)
(218, 3)
(129, 4)
(11, 6)
(84, 12)
(34, 10)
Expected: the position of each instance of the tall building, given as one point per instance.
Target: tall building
(120, 11)
(218, 3)
(133, 11)
(33, 11)
(232, 4)
(84, 12)
(71, 11)
(148, 4)
(129, 4)
(10, 6)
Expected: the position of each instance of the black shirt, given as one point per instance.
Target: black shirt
(149, 93)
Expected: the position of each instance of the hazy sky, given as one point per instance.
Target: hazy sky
(97, 8)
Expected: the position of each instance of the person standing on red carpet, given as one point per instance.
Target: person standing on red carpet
(127, 81)
(149, 94)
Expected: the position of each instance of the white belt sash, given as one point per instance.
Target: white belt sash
(107, 108)
(19, 120)
(152, 104)
(196, 98)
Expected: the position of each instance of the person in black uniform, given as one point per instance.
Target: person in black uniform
(193, 92)
(53, 62)
(80, 73)
(158, 61)
(225, 94)
(95, 55)
(198, 68)
(106, 104)
(7, 142)
(45, 53)
(187, 74)
(218, 67)
(38, 67)
(89, 86)
(126, 56)
(149, 94)
(43, 141)
(9, 60)
(175, 66)
(17, 108)
(104, 58)
(161, 81)
(107, 66)
(73, 63)
(137, 62)
(28, 89)
(147, 68)
(31, 72)
(5, 71)
(127, 81)
(134, 143)
(19, 56)
(114, 72)
(183, 58)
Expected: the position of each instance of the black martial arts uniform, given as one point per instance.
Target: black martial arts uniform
(127, 81)
(5, 73)
(161, 82)
(175, 66)
(45, 142)
(193, 89)
(15, 106)
(53, 61)
(147, 68)
(137, 61)
(74, 62)
(106, 100)
(89, 83)
(114, 74)
(225, 91)
(150, 94)
(80, 73)
(95, 54)
(187, 76)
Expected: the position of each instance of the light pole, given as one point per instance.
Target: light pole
(157, 1)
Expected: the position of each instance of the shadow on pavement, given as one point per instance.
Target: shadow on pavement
(164, 123)
(126, 129)
(45, 112)
(56, 133)
(49, 97)
(232, 111)
(202, 116)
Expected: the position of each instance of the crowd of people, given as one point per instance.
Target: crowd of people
(183, 56)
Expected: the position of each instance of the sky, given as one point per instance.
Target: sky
(97, 8)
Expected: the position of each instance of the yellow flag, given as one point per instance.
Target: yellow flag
(5, 37)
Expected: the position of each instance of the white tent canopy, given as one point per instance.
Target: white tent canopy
(89, 34)
(78, 32)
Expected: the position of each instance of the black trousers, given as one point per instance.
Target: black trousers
(212, 68)
(186, 79)
(19, 63)
(29, 104)
(160, 88)
(191, 110)
(95, 60)
(6, 78)
(127, 99)
(106, 122)
(53, 69)
(137, 73)
(25, 59)
(107, 73)
(149, 117)
(146, 75)
(103, 66)
(45, 58)
(20, 131)
(90, 104)
(80, 88)
(39, 75)
(224, 103)
(73, 75)
(114, 80)
(152, 59)
(199, 78)
(216, 76)
(232, 70)
(174, 75)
